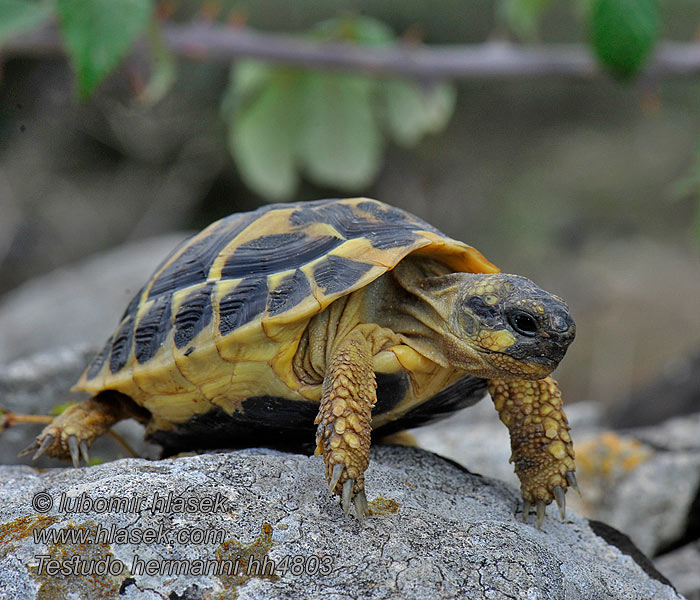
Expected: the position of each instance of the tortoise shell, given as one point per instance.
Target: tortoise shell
(206, 345)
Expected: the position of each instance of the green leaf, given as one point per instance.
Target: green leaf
(247, 78)
(523, 16)
(98, 34)
(623, 33)
(164, 70)
(20, 16)
(439, 108)
(339, 141)
(414, 110)
(262, 137)
(59, 408)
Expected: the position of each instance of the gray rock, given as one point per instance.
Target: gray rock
(650, 501)
(437, 532)
(79, 304)
(682, 566)
(653, 501)
(680, 434)
(657, 500)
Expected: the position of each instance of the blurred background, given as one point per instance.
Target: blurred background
(584, 185)
(585, 179)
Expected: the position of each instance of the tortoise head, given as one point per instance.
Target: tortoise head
(505, 326)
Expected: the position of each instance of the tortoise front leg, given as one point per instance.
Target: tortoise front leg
(344, 420)
(539, 437)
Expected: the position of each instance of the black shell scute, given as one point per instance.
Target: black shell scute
(291, 291)
(121, 346)
(195, 262)
(194, 314)
(242, 305)
(98, 362)
(285, 247)
(152, 330)
(335, 273)
(389, 228)
(276, 252)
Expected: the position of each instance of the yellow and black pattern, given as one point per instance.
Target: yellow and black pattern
(254, 279)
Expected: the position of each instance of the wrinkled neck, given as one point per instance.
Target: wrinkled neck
(415, 301)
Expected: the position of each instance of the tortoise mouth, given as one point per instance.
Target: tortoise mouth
(509, 366)
(544, 361)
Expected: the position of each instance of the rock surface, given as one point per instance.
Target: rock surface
(79, 304)
(669, 473)
(682, 566)
(436, 531)
(644, 482)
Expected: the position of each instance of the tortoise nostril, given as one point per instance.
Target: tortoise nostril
(560, 324)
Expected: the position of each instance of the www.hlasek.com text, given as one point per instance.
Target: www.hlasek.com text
(131, 535)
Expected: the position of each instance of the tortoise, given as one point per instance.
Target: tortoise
(348, 319)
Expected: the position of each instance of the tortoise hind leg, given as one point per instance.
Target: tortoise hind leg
(72, 432)
(344, 420)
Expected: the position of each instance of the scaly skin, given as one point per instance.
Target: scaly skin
(70, 434)
(344, 420)
(543, 453)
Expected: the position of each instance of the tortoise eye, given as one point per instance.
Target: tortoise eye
(522, 322)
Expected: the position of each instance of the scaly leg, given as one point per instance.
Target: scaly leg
(539, 437)
(344, 420)
(70, 434)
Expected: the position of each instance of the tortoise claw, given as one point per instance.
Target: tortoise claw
(84, 451)
(335, 476)
(540, 512)
(571, 478)
(347, 499)
(361, 508)
(72, 443)
(560, 497)
(45, 444)
(347, 493)
(33, 446)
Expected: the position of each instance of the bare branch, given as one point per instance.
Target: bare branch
(200, 41)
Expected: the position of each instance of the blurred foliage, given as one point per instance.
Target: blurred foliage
(329, 125)
(523, 16)
(98, 34)
(690, 186)
(564, 180)
(60, 408)
(623, 32)
(20, 16)
(164, 69)
(332, 127)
